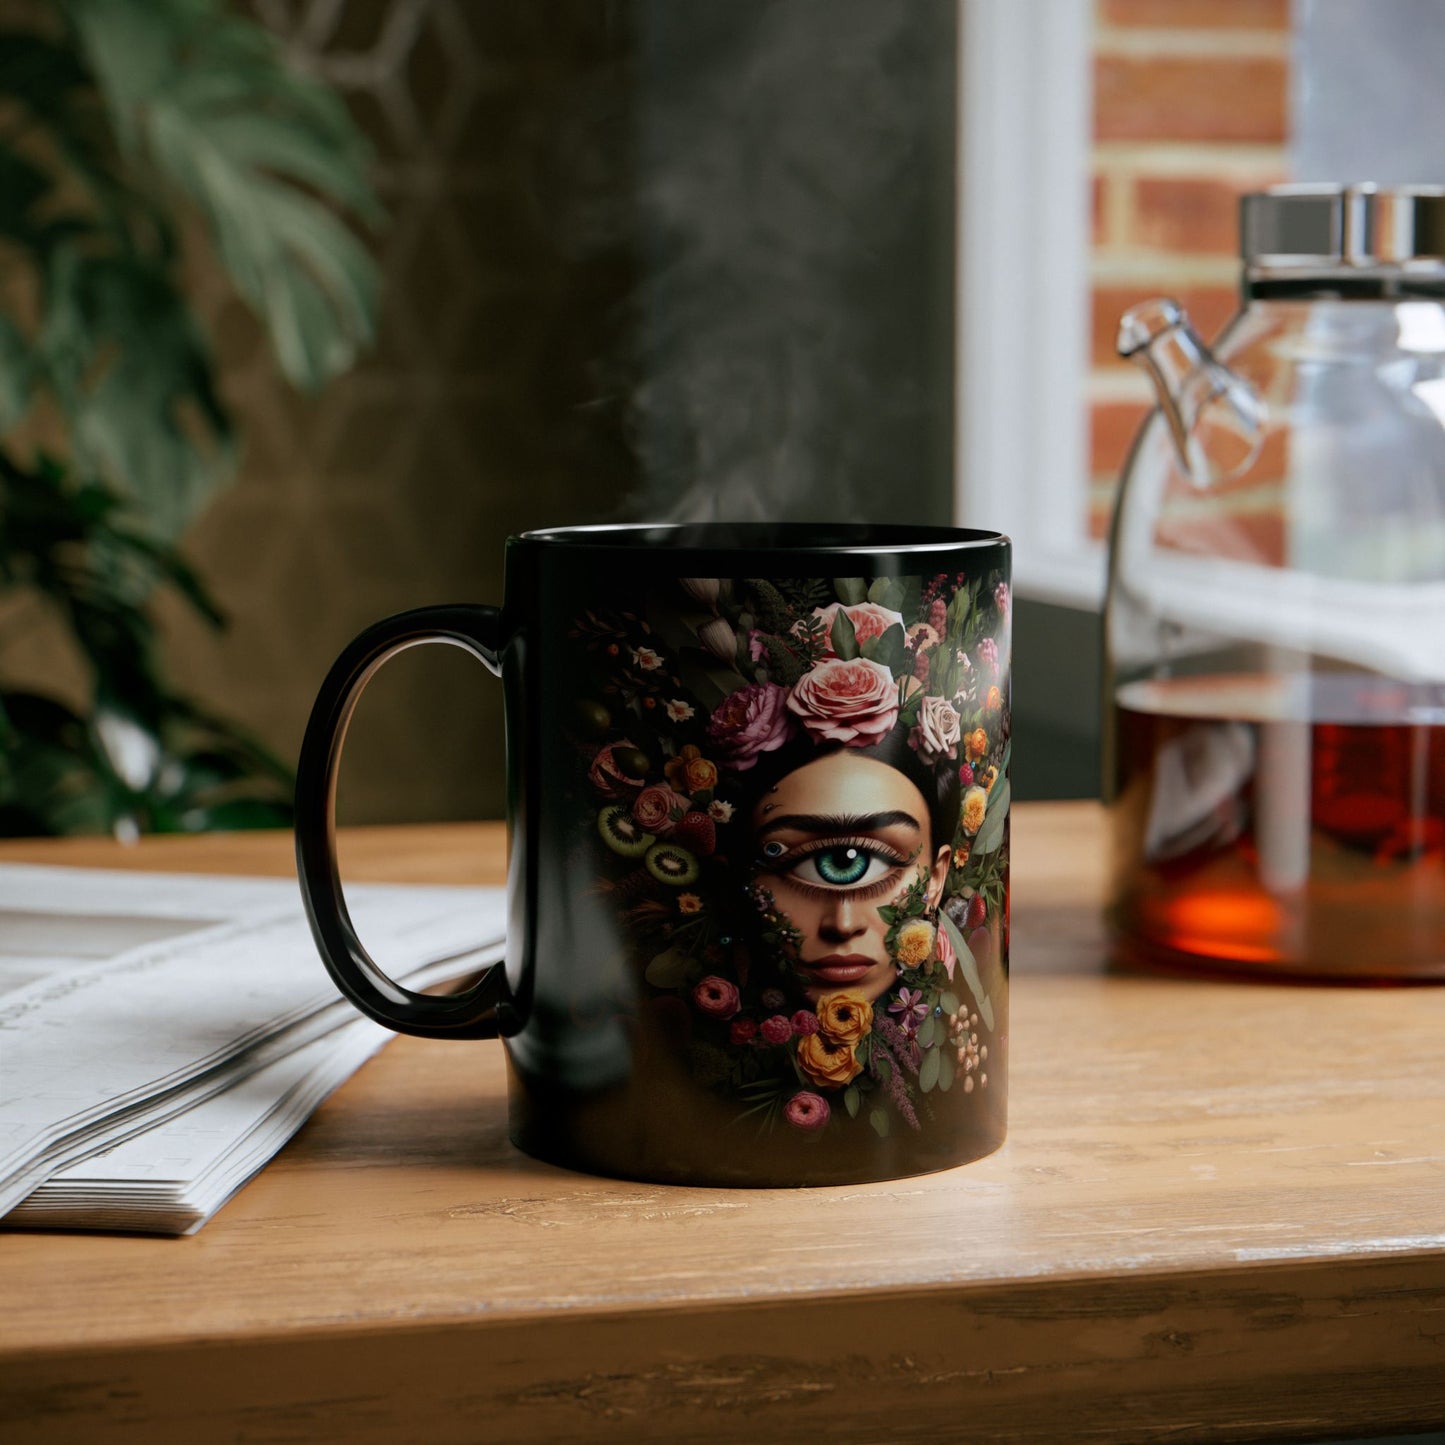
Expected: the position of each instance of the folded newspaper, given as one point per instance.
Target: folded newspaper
(161, 1036)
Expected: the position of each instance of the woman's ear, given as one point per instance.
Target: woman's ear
(938, 875)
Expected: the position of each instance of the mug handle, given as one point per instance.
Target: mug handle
(480, 1012)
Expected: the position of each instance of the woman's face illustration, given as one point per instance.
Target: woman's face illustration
(835, 841)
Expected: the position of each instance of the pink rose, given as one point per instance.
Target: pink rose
(868, 619)
(947, 955)
(804, 1023)
(653, 809)
(847, 702)
(750, 721)
(777, 1030)
(938, 730)
(716, 997)
(607, 777)
(743, 1031)
(806, 1110)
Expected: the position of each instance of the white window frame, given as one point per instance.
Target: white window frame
(1025, 118)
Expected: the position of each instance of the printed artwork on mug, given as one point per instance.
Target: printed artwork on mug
(801, 811)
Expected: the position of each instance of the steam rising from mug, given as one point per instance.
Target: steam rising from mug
(789, 338)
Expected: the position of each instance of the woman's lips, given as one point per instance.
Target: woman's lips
(839, 967)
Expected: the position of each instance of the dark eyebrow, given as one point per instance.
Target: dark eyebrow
(840, 824)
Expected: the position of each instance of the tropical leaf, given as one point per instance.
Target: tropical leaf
(206, 99)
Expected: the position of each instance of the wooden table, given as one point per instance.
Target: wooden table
(1220, 1213)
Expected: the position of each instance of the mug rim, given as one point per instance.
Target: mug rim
(774, 539)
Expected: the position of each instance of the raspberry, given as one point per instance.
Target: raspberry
(697, 832)
(938, 615)
(977, 911)
(965, 775)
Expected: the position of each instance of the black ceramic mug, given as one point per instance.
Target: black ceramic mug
(758, 794)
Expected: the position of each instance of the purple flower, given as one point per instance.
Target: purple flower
(806, 1110)
(910, 1004)
(748, 722)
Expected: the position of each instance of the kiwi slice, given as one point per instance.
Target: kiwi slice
(670, 864)
(621, 833)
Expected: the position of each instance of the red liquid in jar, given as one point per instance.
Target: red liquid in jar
(1281, 825)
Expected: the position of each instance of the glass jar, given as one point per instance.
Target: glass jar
(1275, 623)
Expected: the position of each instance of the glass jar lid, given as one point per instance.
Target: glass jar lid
(1329, 228)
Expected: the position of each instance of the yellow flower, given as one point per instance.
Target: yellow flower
(994, 700)
(690, 772)
(988, 777)
(976, 742)
(844, 1017)
(689, 903)
(975, 806)
(828, 1065)
(914, 943)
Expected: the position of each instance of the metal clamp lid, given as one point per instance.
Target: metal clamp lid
(1327, 227)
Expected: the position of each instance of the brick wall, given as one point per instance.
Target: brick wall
(1190, 111)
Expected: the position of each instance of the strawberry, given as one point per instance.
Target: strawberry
(977, 911)
(696, 832)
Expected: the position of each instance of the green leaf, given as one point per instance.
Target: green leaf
(887, 592)
(208, 100)
(968, 968)
(990, 836)
(851, 590)
(928, 1072)
(926, 1031)
(889, 648)
(16, 373)
(946, 1066)
(947, 1001)
(843, 637)
(852, 1100)
(878, 1118)
(668, 969)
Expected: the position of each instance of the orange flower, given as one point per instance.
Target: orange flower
(844, 1017)
(690, 772)
(827, 1065)
(977, 743)
(975, 808)
(914, 943)
(994, 700)
(689, 903)
(988, 777)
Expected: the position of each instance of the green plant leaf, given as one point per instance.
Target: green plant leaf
(948, 1001)
(265, 152)
(878, 1118)
(991, 834)
(946, 1066)
(852, 1100)
(928, 1071)
(889, 648)
(668, 969)
(843, 637)
(887, 592)
(926, 1031)
(968, 969)
(851, 590)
